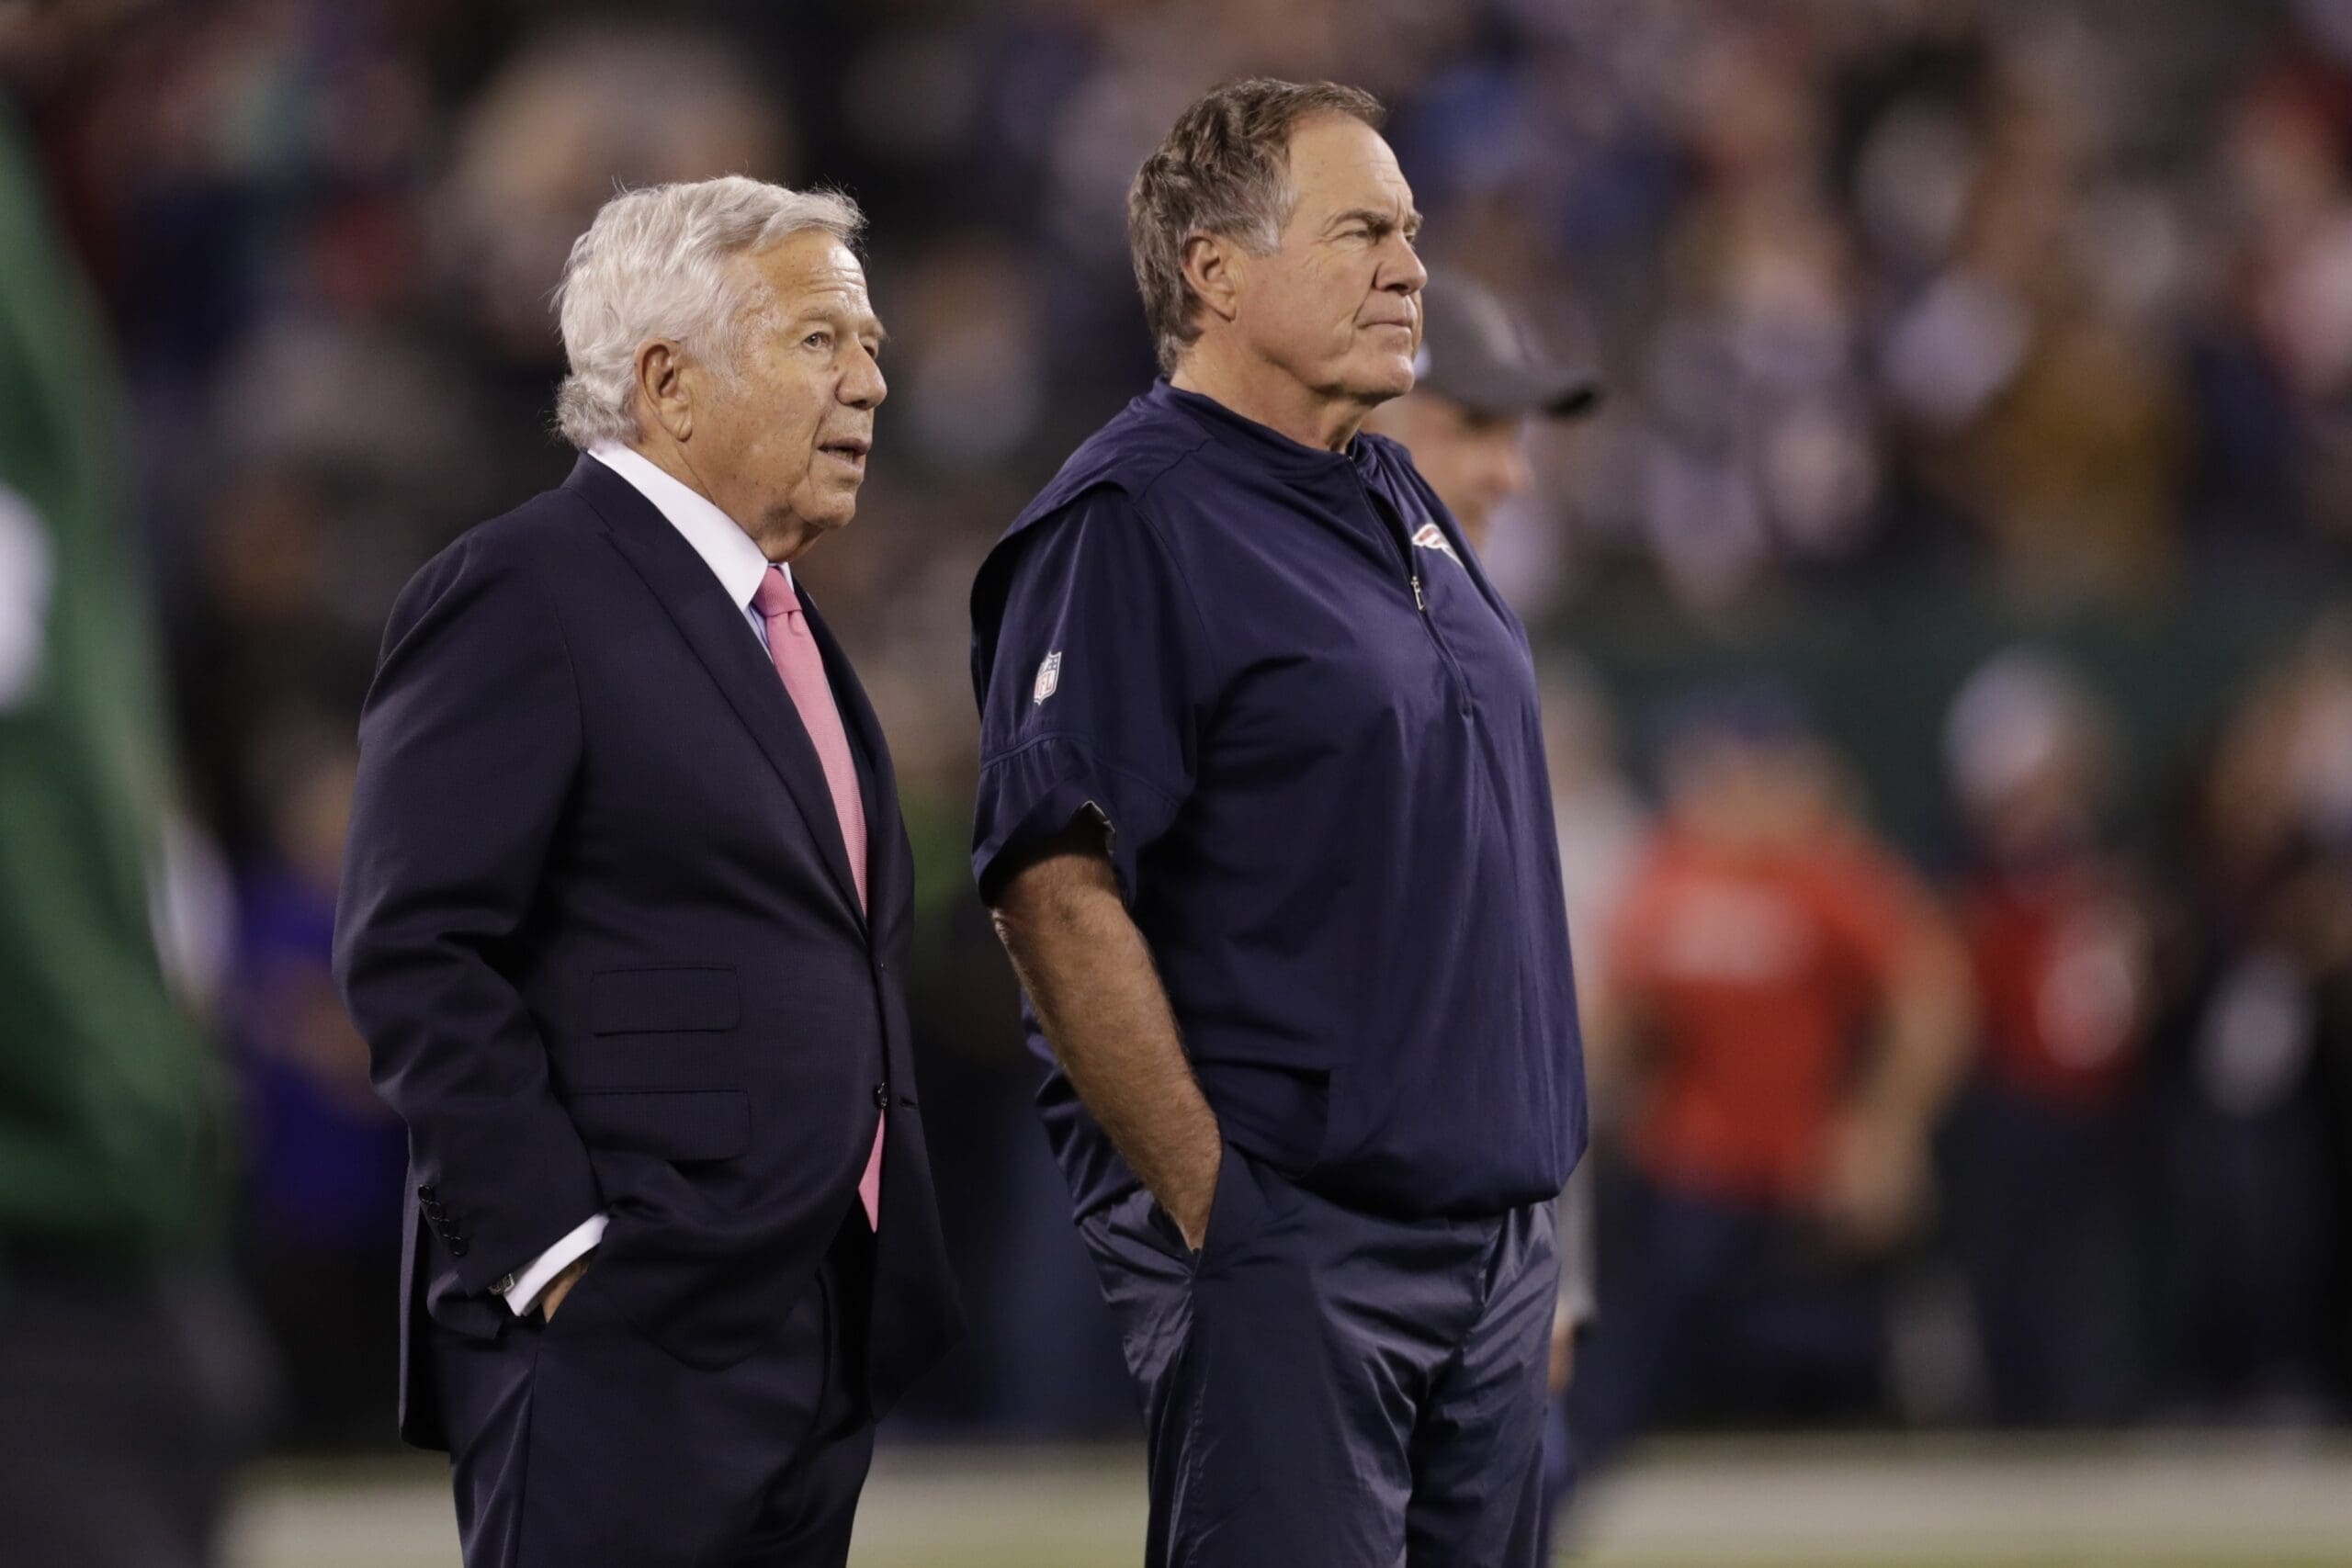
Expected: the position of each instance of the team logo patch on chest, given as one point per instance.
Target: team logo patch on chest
(1430, 536)
(1049, 677)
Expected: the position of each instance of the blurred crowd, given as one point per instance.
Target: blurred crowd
(2053, 1131)
(1981, 368)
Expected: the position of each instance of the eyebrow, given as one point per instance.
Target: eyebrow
(863, 326)
(1374, 216)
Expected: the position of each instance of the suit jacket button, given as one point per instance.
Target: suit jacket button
(456, 1247)
(425, 1192)
(881, 1097)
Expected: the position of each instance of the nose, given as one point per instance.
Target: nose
(862, 386)
(1402, 272)
(1513, 473)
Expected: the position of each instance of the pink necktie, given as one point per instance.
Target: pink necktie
(795, 654)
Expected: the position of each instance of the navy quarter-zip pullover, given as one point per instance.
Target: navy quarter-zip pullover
(1280, 678)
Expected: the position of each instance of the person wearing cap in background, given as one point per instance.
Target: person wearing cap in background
(1476, 384)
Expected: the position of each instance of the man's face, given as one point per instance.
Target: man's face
(1751, 796)
(1337, 305)
(1475, 461)
(782, 449)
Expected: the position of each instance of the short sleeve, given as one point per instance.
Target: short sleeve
(1872, 907)
(1083, 666)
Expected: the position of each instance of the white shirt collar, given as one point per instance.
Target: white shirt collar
(728, 551)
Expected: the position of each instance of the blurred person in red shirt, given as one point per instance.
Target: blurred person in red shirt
(2054, 921)
(1786, 1017)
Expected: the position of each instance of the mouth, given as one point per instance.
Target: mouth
(849, 449)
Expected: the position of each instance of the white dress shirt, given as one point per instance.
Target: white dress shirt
(739, 567)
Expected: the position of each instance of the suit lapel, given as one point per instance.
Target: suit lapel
(723, 640)
(888, 879)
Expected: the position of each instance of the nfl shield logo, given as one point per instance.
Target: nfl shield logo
(1049, 677)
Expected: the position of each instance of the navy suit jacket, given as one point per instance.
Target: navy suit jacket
(598, 929)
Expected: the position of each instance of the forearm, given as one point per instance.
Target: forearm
(1924, 1046)
(1616, 1049)
(1579, 1270)
(1090, 980)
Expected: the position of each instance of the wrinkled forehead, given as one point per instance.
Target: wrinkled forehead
(1338, 163)
(812, 274)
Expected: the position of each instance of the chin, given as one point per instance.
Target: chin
(1387, 376)
(828, 512)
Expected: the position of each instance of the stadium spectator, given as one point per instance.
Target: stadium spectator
(1476, 386)
(318, 1228)
(1603, 826)
(1785, 1016)
(2059, 927)
(2251, 1054)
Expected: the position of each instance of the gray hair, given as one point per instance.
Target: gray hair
(1223, 169)
(655, 264)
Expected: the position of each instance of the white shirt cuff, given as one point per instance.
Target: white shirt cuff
(523, 1287)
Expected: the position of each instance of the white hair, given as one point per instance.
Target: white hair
(655, 264)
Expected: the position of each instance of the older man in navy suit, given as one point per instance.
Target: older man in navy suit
(624, 912)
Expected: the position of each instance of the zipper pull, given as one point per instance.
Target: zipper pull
(1419, 602)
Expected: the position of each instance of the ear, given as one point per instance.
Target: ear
(663, 387)
(1212, 266)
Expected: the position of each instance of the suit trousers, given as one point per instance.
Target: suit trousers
(578, 1440)
(1324, 1388)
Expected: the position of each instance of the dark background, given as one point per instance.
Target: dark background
(1933, 330)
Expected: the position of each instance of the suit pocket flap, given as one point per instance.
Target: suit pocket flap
(670, 1000)
(682, 1125)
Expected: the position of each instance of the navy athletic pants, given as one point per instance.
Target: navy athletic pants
(1327, 1388)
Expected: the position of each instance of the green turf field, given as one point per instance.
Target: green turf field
(2141, 1502)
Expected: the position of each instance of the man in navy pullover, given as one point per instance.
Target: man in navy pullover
(1264, 820)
